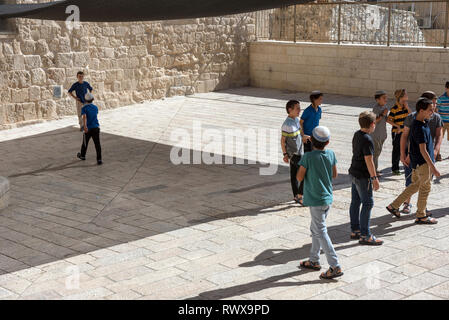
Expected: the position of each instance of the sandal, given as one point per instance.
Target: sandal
(355, 235)
(310, 265)
(331, 273)
(407, 208)
(299, 201)
(394, 211)
(427, 220)
(372, 241)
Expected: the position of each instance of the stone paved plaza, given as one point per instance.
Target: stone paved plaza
(140, 227)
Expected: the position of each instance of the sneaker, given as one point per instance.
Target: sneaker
(79, 156)
(99, 162)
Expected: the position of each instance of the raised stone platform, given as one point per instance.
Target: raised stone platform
(4, 192)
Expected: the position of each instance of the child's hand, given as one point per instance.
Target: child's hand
(286, 158)
(385, 112)
(435, 171)
(376, 185)
(85, 129)
(406, 161)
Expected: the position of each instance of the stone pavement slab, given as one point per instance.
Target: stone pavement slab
(143, 227)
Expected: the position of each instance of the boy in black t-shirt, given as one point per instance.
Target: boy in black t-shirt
(422, 160)
(364, 180)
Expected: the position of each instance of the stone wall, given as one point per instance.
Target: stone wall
(360, 23)
(357, 70)
(124, 62)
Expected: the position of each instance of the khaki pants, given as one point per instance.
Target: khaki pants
(79, 106)
(446, 130)
(378, 144)
(421, 182)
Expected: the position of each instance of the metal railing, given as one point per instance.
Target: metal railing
(414, 23)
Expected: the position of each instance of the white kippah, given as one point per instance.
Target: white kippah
(322, 134)
(89, 96)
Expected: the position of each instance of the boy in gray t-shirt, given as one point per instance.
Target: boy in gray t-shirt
(380, 133)
(291, 144)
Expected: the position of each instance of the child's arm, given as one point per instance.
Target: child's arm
(85, 123)
(381, 116)
(284, 151)
(438, 140)
(304, 137)
(74, 97)
(334, 172)
(301, 173)
(372, 171)
(426, 156)
(390, 119)
(392, 123)
(405, 160)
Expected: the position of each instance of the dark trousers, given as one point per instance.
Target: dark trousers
(95, 135)
(361, 195)
(297, 187)
(308, 146)
(408, 171)
(396, 155)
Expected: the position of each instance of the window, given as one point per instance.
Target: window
(7, 25)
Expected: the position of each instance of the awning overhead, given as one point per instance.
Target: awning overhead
(139, 10)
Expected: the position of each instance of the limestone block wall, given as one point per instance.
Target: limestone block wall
(360, 23)
(357, 70)
(124, 62)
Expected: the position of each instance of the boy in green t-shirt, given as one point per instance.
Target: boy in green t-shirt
(317, 169)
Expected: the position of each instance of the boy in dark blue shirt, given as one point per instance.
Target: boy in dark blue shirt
(310, 119)
(422, 160)
(80, 87)
(91, 128)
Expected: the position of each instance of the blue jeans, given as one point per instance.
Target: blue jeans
(362, 194)
(408, 172)
(320, 238)
(408, 175)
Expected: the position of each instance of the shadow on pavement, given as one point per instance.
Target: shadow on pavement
(271, 257)
(259, 285)
(61, 207)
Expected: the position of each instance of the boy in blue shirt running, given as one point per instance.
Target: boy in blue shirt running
(91, 128)
(317, 169)
(80, 87)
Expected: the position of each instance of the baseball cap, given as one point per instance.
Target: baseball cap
(321, 134)
(380, 93)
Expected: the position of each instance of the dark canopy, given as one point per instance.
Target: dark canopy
(139, 10)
